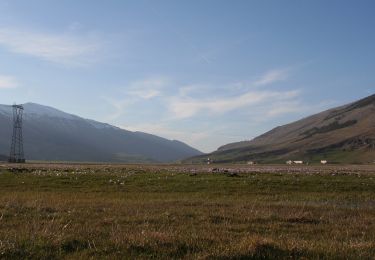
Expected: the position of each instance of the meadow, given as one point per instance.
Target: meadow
(54, 211)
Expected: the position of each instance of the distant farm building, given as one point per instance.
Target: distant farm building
(323, 161)
(251, 163)
(289, 162)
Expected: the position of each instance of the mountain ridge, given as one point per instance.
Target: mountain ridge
(51, 134)
(345, 134)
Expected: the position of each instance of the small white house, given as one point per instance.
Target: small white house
(298, 162)
(289, 162)
(323, 161)
(251, 163)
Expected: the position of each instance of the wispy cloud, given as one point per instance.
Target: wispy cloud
(189, 107)
(296, 107)
(119, 106)
(281, 108)
(206, 99)
(63, 48)
(136, 91)
(272, 76)
(8, 82)
(147, 88)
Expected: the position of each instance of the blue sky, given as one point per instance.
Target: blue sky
(204, 72)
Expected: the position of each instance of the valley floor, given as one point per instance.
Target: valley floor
(174, 211)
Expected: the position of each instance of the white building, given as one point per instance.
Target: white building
(298, 162)
(290, 162)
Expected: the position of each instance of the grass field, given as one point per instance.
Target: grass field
(114, 211)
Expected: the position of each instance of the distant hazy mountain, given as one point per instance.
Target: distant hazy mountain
(344, 134)
(50, 134)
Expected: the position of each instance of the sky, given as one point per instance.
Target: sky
(205, 72)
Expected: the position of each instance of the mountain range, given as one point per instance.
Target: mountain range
(344, 134)
(52, 135)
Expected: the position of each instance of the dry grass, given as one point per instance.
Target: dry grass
(128, 212)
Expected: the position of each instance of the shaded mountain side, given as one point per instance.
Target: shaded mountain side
(3, 158)
(53, 135)
(345, 134)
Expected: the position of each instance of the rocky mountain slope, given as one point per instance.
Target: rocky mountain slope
(52, 135)
(344, 134)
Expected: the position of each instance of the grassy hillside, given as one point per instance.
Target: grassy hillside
(341, 135)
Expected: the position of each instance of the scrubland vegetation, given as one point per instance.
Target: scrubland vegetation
(164, 212)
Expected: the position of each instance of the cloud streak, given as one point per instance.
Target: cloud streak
(137, 91)
(7, 82)
(188, 107)
(205, 99)
(147, 88)
(271, 77)
(61, 48)
(118, 105)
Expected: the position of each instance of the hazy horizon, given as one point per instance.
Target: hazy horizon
(205, 73)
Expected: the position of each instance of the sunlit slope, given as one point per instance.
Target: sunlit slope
(344, 134)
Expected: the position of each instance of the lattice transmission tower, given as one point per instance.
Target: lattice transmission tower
(16, 149)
